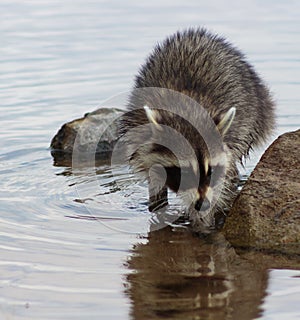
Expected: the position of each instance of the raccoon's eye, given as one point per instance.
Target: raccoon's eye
(209, 171)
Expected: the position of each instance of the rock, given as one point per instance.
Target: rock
(95, 133)
(266, 214)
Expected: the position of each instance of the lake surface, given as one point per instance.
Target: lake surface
(65, 257)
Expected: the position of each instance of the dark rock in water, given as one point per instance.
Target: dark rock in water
(266, 214)
(95, 133)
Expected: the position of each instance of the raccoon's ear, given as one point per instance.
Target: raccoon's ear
(152, 116)
(226, 120)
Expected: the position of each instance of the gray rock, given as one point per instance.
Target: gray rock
(266, 214)
(95, 133)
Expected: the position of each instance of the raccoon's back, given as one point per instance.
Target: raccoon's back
(214, 73)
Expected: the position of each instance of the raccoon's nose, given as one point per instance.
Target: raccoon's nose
(202, 204)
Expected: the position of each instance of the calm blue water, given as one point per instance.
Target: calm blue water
(60, 59)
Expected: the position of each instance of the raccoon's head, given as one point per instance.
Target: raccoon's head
(177, 156)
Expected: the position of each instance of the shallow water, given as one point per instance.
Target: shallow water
(71, 251)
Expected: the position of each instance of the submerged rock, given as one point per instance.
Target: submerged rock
(266, 214)
(95, 133)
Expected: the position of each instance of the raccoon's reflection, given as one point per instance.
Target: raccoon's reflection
(179, 276)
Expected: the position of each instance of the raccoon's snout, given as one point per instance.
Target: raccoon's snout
(202, 204)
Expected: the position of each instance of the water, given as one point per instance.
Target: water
(59, 60)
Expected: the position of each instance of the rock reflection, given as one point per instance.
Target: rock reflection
(177, 275)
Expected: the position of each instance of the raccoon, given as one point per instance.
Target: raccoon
(195, 79)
